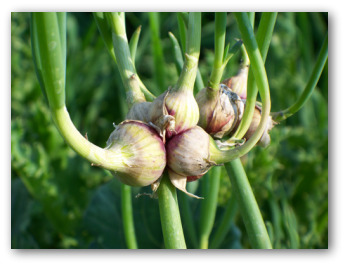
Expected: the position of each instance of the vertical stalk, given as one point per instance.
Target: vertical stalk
(170, 215)
(127, 216)
(219, 44)
(187, 219)
(190, 67)
(224, 225)
(124, 59)
(249, 209)
(157, 51)
(210, 184)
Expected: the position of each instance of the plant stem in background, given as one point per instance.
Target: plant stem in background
(178, 58)
(249, 209)
(127, 216)
(170, 215)
(314, 78)
(157, 51)
(210, 188)
(224, 225)
(182, 20)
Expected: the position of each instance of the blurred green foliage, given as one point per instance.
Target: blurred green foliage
(59, 201)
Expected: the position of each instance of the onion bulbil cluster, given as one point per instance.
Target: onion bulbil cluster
(176, 133)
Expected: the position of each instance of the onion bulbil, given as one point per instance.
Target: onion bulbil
(142, 153)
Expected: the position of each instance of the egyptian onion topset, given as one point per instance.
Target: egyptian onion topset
(176, 137)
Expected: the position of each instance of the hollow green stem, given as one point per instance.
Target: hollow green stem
(50, 58)
(260, 75)
(246, 61)
(224, 225)
(314, 78)
(210, 184)
(219, 44)
(124, 59)
(170, 215)
(263, 37)
(157, 51)
(178, 58)
(48, 45)
(248, 206)
(127, 217)
(105, 32)
(182, 20)
(190, 67)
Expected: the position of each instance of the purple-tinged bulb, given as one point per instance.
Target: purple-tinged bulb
(219, 114)
(139, 151)
(188, 152)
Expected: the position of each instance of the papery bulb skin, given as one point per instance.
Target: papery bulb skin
(188, 153)
(265, 139)
(219, 114)
(238, 83)
(174, 112)
(141, 150)
(139, 111)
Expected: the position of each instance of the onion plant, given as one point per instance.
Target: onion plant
(177, 135)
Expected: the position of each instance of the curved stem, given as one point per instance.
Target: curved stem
(127, 217)
(314, 78)
(50, 57)
(49, 52)
(260, 75)
(210, 184)
(263, 37)
(248, 206)
(170, 215)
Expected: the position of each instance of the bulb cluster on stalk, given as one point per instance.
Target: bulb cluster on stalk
(176, 133)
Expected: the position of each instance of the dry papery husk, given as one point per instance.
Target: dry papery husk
(220, 114)
(142, 154)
